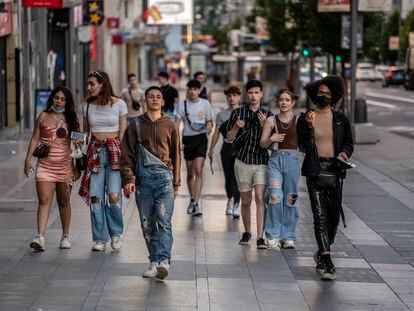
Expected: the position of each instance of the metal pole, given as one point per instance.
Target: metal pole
(354, 23)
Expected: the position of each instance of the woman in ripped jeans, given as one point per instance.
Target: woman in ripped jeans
(279, 135)
(105, 120)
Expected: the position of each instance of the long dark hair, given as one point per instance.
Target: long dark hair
(70, 114)
(107, 92)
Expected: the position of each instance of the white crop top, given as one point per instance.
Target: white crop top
(105, 118)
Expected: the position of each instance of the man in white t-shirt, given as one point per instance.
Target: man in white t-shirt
(197, 116)
(134, 98)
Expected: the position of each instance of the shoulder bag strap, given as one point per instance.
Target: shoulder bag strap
(277, 131)
(138, 129)
(87, 124)
(186, 113)
(130, 94)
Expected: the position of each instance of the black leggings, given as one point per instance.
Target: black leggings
(227, 161)
(326, 204)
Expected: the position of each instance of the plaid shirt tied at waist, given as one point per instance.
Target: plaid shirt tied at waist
(94, 162)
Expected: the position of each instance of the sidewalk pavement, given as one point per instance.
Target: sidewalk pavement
(374, 255)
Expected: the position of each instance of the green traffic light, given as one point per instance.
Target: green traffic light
(338, 58)
(305, 53)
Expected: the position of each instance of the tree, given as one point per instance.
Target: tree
(391, 28)
(406, 28)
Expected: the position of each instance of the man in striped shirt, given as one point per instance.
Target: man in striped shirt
(245, 129)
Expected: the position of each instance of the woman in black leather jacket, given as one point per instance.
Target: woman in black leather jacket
(324, 135)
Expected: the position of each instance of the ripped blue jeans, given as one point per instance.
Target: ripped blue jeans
(281, 195)
(106, 216)
(155, 200)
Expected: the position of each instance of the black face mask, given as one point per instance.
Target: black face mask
(323, 101)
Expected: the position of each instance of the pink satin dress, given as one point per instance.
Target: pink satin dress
(58, 165)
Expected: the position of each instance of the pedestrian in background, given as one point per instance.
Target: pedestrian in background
(170, 94)
(245, 130)
(204, 92)
(324, 135)
(227, 159)
(197, 116)
(134, 98)
(105, 120)
(151, 162)
(55, 170)
(283, 172)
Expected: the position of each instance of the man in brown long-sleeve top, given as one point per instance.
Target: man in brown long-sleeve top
(151, 164)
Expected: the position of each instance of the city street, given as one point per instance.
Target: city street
(390, 108)
(374, 255)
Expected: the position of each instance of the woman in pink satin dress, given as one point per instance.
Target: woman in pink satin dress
(56, 171)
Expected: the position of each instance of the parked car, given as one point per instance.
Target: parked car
(380, 71)
(365, 71)
(394, 76)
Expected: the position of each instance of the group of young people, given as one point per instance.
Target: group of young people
(141, 154)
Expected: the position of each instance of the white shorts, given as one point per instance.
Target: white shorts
(249, 175)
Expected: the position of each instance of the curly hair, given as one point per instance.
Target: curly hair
(70, 114)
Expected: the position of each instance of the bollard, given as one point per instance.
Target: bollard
(361, 114)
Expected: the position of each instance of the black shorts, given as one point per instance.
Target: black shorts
(195, 146)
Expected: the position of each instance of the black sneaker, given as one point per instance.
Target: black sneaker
(329, 274)
(320, 265)
(261, 243)
(245, 238)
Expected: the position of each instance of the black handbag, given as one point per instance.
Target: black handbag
(41, 151)
(135, 104)
(81, 163)
(326, 179)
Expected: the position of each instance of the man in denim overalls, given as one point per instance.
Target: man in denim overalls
(151, 164)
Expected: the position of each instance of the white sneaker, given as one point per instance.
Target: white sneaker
(99, 246)
(151, 270)
(38, 243)
(197, 211)
(230, 207)
(116, 243)
(273, 244)
(288, 244)
(65, 242)
(162, 270)
(190, 208)
(236, 211)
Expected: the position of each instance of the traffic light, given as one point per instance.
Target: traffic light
(305, 52)
(338, 58)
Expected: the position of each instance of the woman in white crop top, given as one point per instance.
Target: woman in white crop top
(105, 117)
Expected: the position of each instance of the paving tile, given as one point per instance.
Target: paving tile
(380, 254)
(225, 294)
(228, 271)
(276, 285)
(277, 300)
(349, 296)
(16, 303)
(173, 294)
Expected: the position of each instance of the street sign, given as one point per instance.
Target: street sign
(346, 32)
(394, 43)
(51, 4)
(334, 6)
(113, 22)
(94, 12)
(168, 12)
(374, 5)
